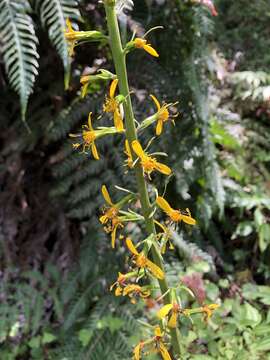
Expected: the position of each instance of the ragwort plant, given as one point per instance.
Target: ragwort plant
(146, 256)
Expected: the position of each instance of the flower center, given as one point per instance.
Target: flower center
(148, 164)
(111, 105)
(111, 213)
(175, 215)
(139, 43)
(163, 114)
(176, 308)
(141, 261)
(88, 136)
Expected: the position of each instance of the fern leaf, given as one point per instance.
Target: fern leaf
(53, 15)
(19, 48)
(189, 250)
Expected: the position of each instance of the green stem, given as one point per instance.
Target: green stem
(121, 72)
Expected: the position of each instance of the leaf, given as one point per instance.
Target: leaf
(264, 236)
(244, 228)
(252, 314)
(53, 15)
(19, 48)
(48, 338)
(261, 330)
(223, 137)
(34, 343)
(262, 345)
(113, 323)
(85, 336)
(264, 294)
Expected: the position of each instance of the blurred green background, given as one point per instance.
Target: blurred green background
(56, 264)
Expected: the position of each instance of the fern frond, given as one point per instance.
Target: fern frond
(189, 250)
(19, 47)
(71, 116)
(53, 15)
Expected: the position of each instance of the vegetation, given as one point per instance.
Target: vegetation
(57, 264)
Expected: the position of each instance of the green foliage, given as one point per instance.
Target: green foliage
(238, 330)
(19, 40)
(238, 27)
(19, 46)
(53, 15)
(221, 156)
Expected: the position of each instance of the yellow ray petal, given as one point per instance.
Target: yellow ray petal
(84, 90)
(90, 121)
(114, 235)
(164, 205)
(158, 332)
(137, 148)
(113, 87)
(164, 352)
(118, 291)
(69, 26)
(127, 147)
(131, 246)
(118, 121)
(188, 219)
(164, 311)
(94, 151)
(106, 195)
(103, 219)
(173, 320)
(148, 48)
(156, 102)
(159, 127)
(155, 270)
(164, 169)
(137, 352)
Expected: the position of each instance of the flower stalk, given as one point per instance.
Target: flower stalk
(121, 72)
(148, 260)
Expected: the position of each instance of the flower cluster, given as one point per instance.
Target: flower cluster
(145, 256)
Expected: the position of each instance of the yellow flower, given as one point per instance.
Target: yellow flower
(162, 115)
(165, 236)
(112, 105)
(140, 43)
(160, 345)
(137, 351)
(70, 35)
(207, 310)
(127, 151)
(155, 344)
(88, 137)
(101, 75)
(85, 80)
(73, 37)
(142, 262)
(134, 290)
(110, 218)
(149, 163)
(119, 284)
(173, 311)
(175, 215)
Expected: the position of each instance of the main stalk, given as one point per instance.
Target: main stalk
(121, 72)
